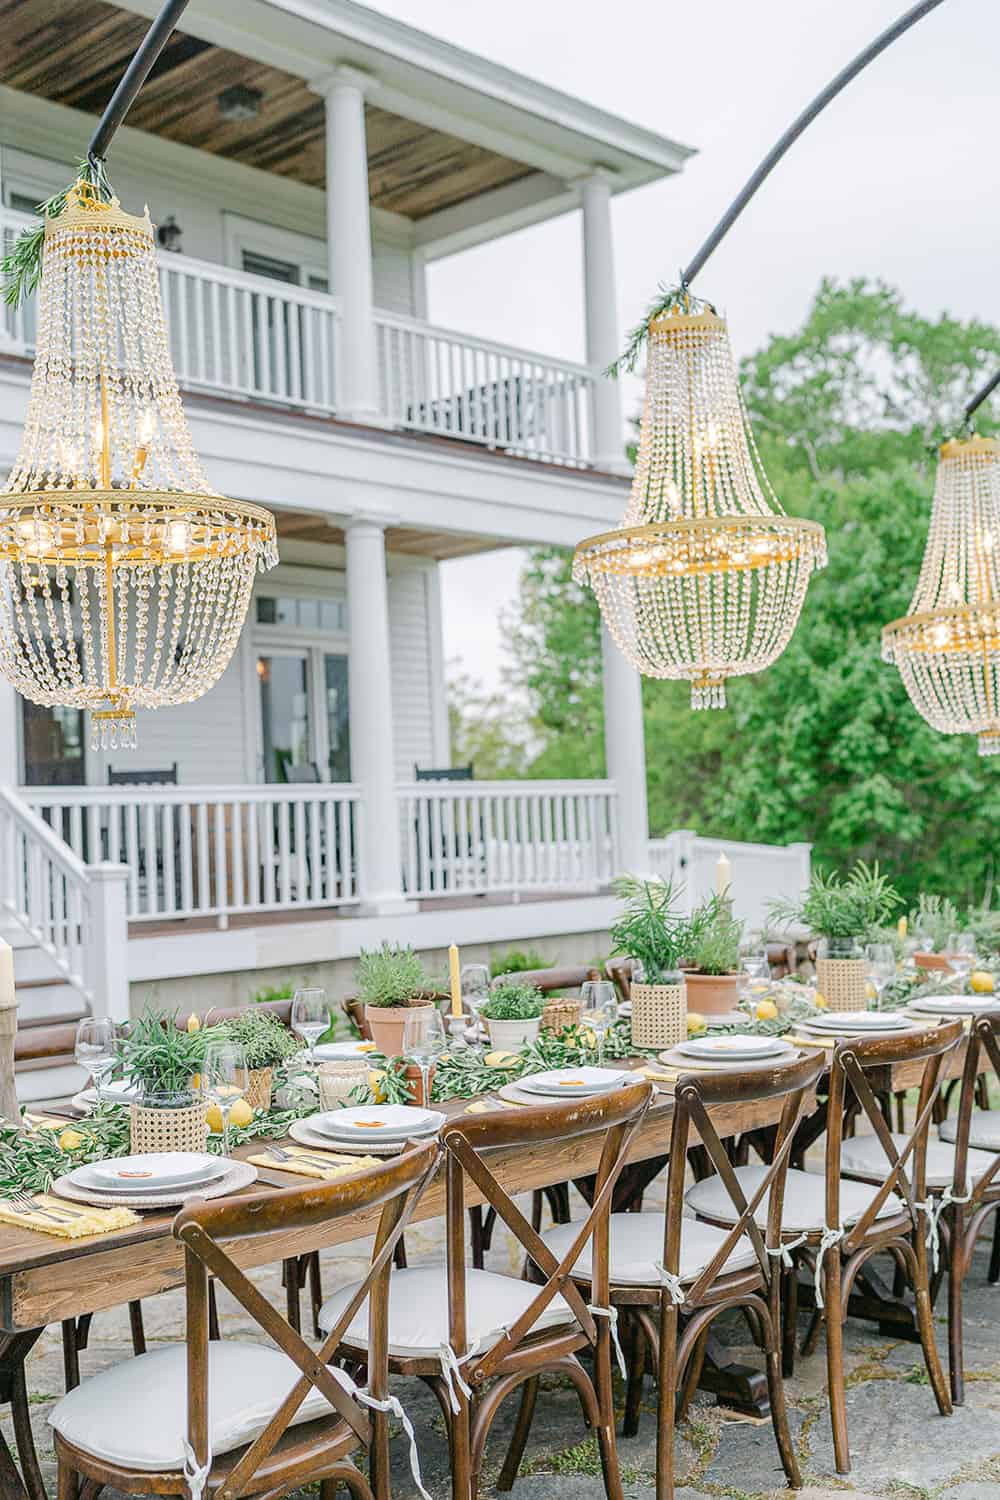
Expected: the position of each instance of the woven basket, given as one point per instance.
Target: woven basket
(843, 982)
(167, 1129)
(258, 1090)
(558, 1014)
(659, 1014)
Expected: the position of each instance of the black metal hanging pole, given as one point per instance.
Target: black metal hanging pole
(981, 395)
(135, 76)
(805, 119)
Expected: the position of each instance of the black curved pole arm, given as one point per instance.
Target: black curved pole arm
(981, 395)
(135, 76)
(791, 135)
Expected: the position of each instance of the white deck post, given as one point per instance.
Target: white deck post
(10, 717)
(602, 321)
(370, 697)
(625, 753)
(108, 956)
(349, 241)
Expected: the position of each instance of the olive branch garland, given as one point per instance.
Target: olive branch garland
(21, 267)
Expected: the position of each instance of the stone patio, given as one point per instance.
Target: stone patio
(900, 1446)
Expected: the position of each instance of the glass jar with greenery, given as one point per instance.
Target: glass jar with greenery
(164, 1059)
(845, 913)
(267, 1045)
(657, 939)
(513, 1014)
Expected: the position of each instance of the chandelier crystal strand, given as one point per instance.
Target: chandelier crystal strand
(947, 648)
(705, 578)
(124, 578)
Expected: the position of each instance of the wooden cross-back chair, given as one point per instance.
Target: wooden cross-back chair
(568, 977)
(838, 1222)
(664, 1267)
(254, 1418)
(455, 1327)
(621, 972)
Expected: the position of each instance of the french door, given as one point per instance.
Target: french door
(304, 714)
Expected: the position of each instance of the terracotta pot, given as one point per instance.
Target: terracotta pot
(932, 961)
(712, 994)
(388, 1022)
(415, 1084)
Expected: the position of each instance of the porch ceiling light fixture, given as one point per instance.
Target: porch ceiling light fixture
(706, 576)
(124, 578)
(947, 647)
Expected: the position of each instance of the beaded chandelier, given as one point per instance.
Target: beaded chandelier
(124, 578)
(947, 648)
(706, 575)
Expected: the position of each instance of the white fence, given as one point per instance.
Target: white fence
(213, 851)
(480, 836)
(759, 873)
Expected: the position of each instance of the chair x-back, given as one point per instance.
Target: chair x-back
(234, 1418)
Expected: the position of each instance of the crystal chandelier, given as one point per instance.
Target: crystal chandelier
(124, 578)
(947, 648)
(706, 575)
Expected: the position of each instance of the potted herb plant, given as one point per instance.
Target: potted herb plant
(844, 912)
(932, 924)
(713, 953)
(266, 1045)
(656, 937)
(164, 1060)
(391, 981)
(513, 1014)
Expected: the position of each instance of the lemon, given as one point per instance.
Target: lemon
(213, 1119)
(241, 1114)
(696, 1023)
(70, 1140)
(376, 1078)
(500, 1059)
(981, 982)
(766, 1011)
(821, 1001)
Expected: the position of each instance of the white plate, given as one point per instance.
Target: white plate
(377, 1122)
(860, 1020)
(567, 1083)
(303, 1132)
(338, 1051)
(163, 1169)
(735, 1047)
(729, 1018)
(953, 1005)
(121, 1091)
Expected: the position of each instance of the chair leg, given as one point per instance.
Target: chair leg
(925, 1321)
(776, 1386)
(665, 1411)
(636, 1373)
(66, 1482)
(290, 1279)
(476, 1246)
(993, 1274)
(71, 1355)
(956, 1278)
(315, 1292)
(136, 1328)
(213, 1314)
(606, 1441)
(836, 1394)
(790, 1320)
(460, 1443)
(519, 1437)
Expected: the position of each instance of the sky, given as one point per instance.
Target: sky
(896, 180)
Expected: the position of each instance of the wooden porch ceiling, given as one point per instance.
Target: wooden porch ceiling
(305, 526)
(74, 52)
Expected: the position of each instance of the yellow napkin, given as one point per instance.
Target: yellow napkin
(340, 1166)
(75, 1219)
(811, 1041)
(660, 1075)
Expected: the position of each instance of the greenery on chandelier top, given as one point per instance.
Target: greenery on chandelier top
(667, 299)
(714, 938)
(21, 267)
(391, 975)
(265, 1041)
(838, 907)
(511, 1001)
(160, 1055)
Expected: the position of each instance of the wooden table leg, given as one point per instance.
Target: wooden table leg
(738, 1386)
(28, 1484)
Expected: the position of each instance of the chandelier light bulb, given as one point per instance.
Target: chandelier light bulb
(705, 578)
(947, 648)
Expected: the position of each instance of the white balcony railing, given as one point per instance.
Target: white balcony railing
(253, 338)
(476, 837)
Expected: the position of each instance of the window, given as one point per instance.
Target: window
(321, 616)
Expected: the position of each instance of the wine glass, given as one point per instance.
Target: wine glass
(424, 1041)
(881, 968)
(224, 1078)
(475, 993)
(755, 967)
(95, 1048)
(599, 1001)
(962, 954)
(310, 1018)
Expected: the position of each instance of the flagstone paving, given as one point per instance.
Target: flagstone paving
(901, 1449)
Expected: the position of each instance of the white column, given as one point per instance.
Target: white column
(370, 699)
(625, 753)
(602, 320)
(349, 241)
(10, 737)
(107, 958)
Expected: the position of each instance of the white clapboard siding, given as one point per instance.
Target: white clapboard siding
(392, 281)
(412, 684)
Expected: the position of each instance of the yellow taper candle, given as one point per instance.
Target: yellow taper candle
(901, 929)
(456, 980)
(193, 1023)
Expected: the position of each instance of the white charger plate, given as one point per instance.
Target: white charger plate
(861, 1020)
(569, 1083)
(145, 1173)
(734, 1048)
(339, 1051)
(382, 1122)
(953, 1005)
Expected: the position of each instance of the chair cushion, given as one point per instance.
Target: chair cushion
(418, 1310)
(636, 1245)
(805, 1201)
(863, 1156)
(135, 1412)
(984, 1132)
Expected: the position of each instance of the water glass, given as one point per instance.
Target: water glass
(224, 1078)
(310, 1017)
(424, 1041)
(962, 954)
(96, 1048)
(599, 1002)
(475, 980)
(881, 968)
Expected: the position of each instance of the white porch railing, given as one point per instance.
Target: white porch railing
(759, 873)
(254, 338)
(434, 380)
(214, 851)
(476, 837)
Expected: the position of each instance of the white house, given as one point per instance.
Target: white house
(315, 158)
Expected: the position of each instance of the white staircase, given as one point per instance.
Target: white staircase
(44, 999)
